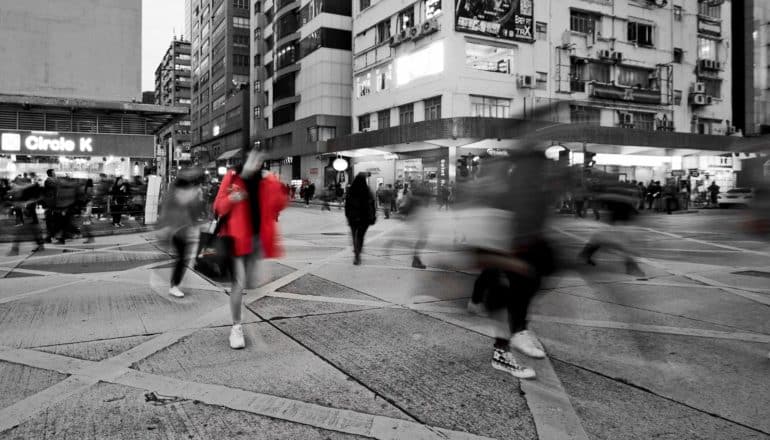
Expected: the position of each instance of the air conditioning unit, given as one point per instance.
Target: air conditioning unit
(526, 81)
(699, 87)
(698, 99)
(395, 40)
(709, 100)
(605, 54)
(717, 65)
(428, 27)
(626, 119)
(364, 130)
(617, 56)
(413, 33)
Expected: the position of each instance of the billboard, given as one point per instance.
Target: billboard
(506, 19)
(47, 143)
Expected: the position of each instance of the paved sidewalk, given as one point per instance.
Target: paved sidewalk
(382, 350)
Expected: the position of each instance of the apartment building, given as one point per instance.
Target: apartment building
(173, 87)
(220, 43)
(301, 83)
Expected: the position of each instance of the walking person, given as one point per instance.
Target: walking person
(713, 190)
(309, 193)
(360, 212)
(26, 198)
(50, 187)
(248, 205)
(119, 198)
(384, 196)
(181, 209)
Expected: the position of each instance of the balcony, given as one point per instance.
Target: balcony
(620, 93)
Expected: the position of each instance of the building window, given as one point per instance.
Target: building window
(383, 119)
(269, 69)
(219, 9)
(708, 49)
(633, 77)
(363, 84)
(284, 115)
(286, 55)
(218, 30)
(217, 103)
(584, 115)
(383, 76)
(240, 4)
(432, 108)
(678, 13)
(406, 114)
(405, 19)
(541, 80)
(241, 41)
(185, 101)
(643, 121)
(640, 33)
(321, 133)
(713, 87)
(364, 122)
(363, 4)
(269, 15)
(541, 31)
(257, 7)
(257, 111)
(257, 34)
(582, 22)
(488, 58)
(708, 9)
(257, 85)
(241, 22)
(269, 41)
(240, 60)
(488, 107)
(241, 79)
(432, 8)
(216, 85)
(382, 34)
(257, 60)
(678, 55)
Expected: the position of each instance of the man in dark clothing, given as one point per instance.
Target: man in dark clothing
(309, 193)
(360, 213)
(713, 193)
(384, 197)
(50, 187)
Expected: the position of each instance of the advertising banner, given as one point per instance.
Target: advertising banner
(506, 19)
(47, 143)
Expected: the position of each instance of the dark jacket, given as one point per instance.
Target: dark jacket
(359, 205)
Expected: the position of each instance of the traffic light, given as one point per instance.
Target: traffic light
(588, 159)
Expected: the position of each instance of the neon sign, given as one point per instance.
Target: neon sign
(40, 143)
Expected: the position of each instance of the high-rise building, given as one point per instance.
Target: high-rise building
(301, 82)
(57, 51)
(220, 77)
(751, 55)
(173, 86)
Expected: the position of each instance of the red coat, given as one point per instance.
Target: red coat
(272, 199)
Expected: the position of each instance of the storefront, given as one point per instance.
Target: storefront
(77, 155)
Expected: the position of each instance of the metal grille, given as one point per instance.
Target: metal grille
(85, 124)
(58, 122)
(31, 121)
(110, 124)
(8, 120)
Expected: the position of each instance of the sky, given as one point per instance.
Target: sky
(160, 20)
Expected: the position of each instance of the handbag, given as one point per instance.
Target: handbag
(213, 258)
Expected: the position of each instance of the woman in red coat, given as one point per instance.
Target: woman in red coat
(248, 204)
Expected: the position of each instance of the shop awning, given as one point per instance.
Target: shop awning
(227, 155)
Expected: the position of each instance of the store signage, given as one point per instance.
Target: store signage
(678, 173)
(708, 27)
(507, 19)
(38, 143)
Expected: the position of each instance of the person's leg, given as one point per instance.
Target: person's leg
(354, 233)
(180, 246)
(523, 289)
(236, 293)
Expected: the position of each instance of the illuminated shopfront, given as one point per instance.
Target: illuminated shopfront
(78, 155)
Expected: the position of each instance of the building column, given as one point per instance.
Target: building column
(452, 164)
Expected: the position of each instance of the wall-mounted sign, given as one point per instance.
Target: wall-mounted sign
(507, 19)
(708, 27)
(44, 143)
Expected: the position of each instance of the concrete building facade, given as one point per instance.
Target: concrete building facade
(301, 83)
(69, 51)
(173, 86)
(220, 45)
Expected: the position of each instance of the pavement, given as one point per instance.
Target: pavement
(92, 346)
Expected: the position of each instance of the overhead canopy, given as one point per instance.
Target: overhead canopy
(227, 155)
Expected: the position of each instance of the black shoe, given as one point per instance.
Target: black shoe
(417, 263)
(357, 260)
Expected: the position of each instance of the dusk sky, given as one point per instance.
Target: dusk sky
(161, 19)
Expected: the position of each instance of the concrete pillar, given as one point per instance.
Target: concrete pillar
(452, 163)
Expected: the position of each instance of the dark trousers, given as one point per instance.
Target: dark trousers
(51, 222)
(18, 213)
(386, 209)
(358, 232)
(393, 205)
(579, 207)
(180, 246)
(515, 297)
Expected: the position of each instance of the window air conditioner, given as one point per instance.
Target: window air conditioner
(413, 32)
(428, 27)
(709, 100)
(617, 56)
(395, 40)
(604, 53)
(699, 87)
(699, 99)
(526, 81)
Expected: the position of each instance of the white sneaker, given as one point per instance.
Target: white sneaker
(527, 343)
(176, 292)
(477, 309)
(504, 360)
(236, 337)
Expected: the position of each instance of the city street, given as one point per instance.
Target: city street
(92, 346)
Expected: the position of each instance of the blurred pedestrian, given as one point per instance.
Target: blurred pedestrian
(247, 205)
(119, 198)
(50, 187)
(713, 190)
(384, 196)
(181, 210)
(360, 212)
(309, 193)
(443, 197)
